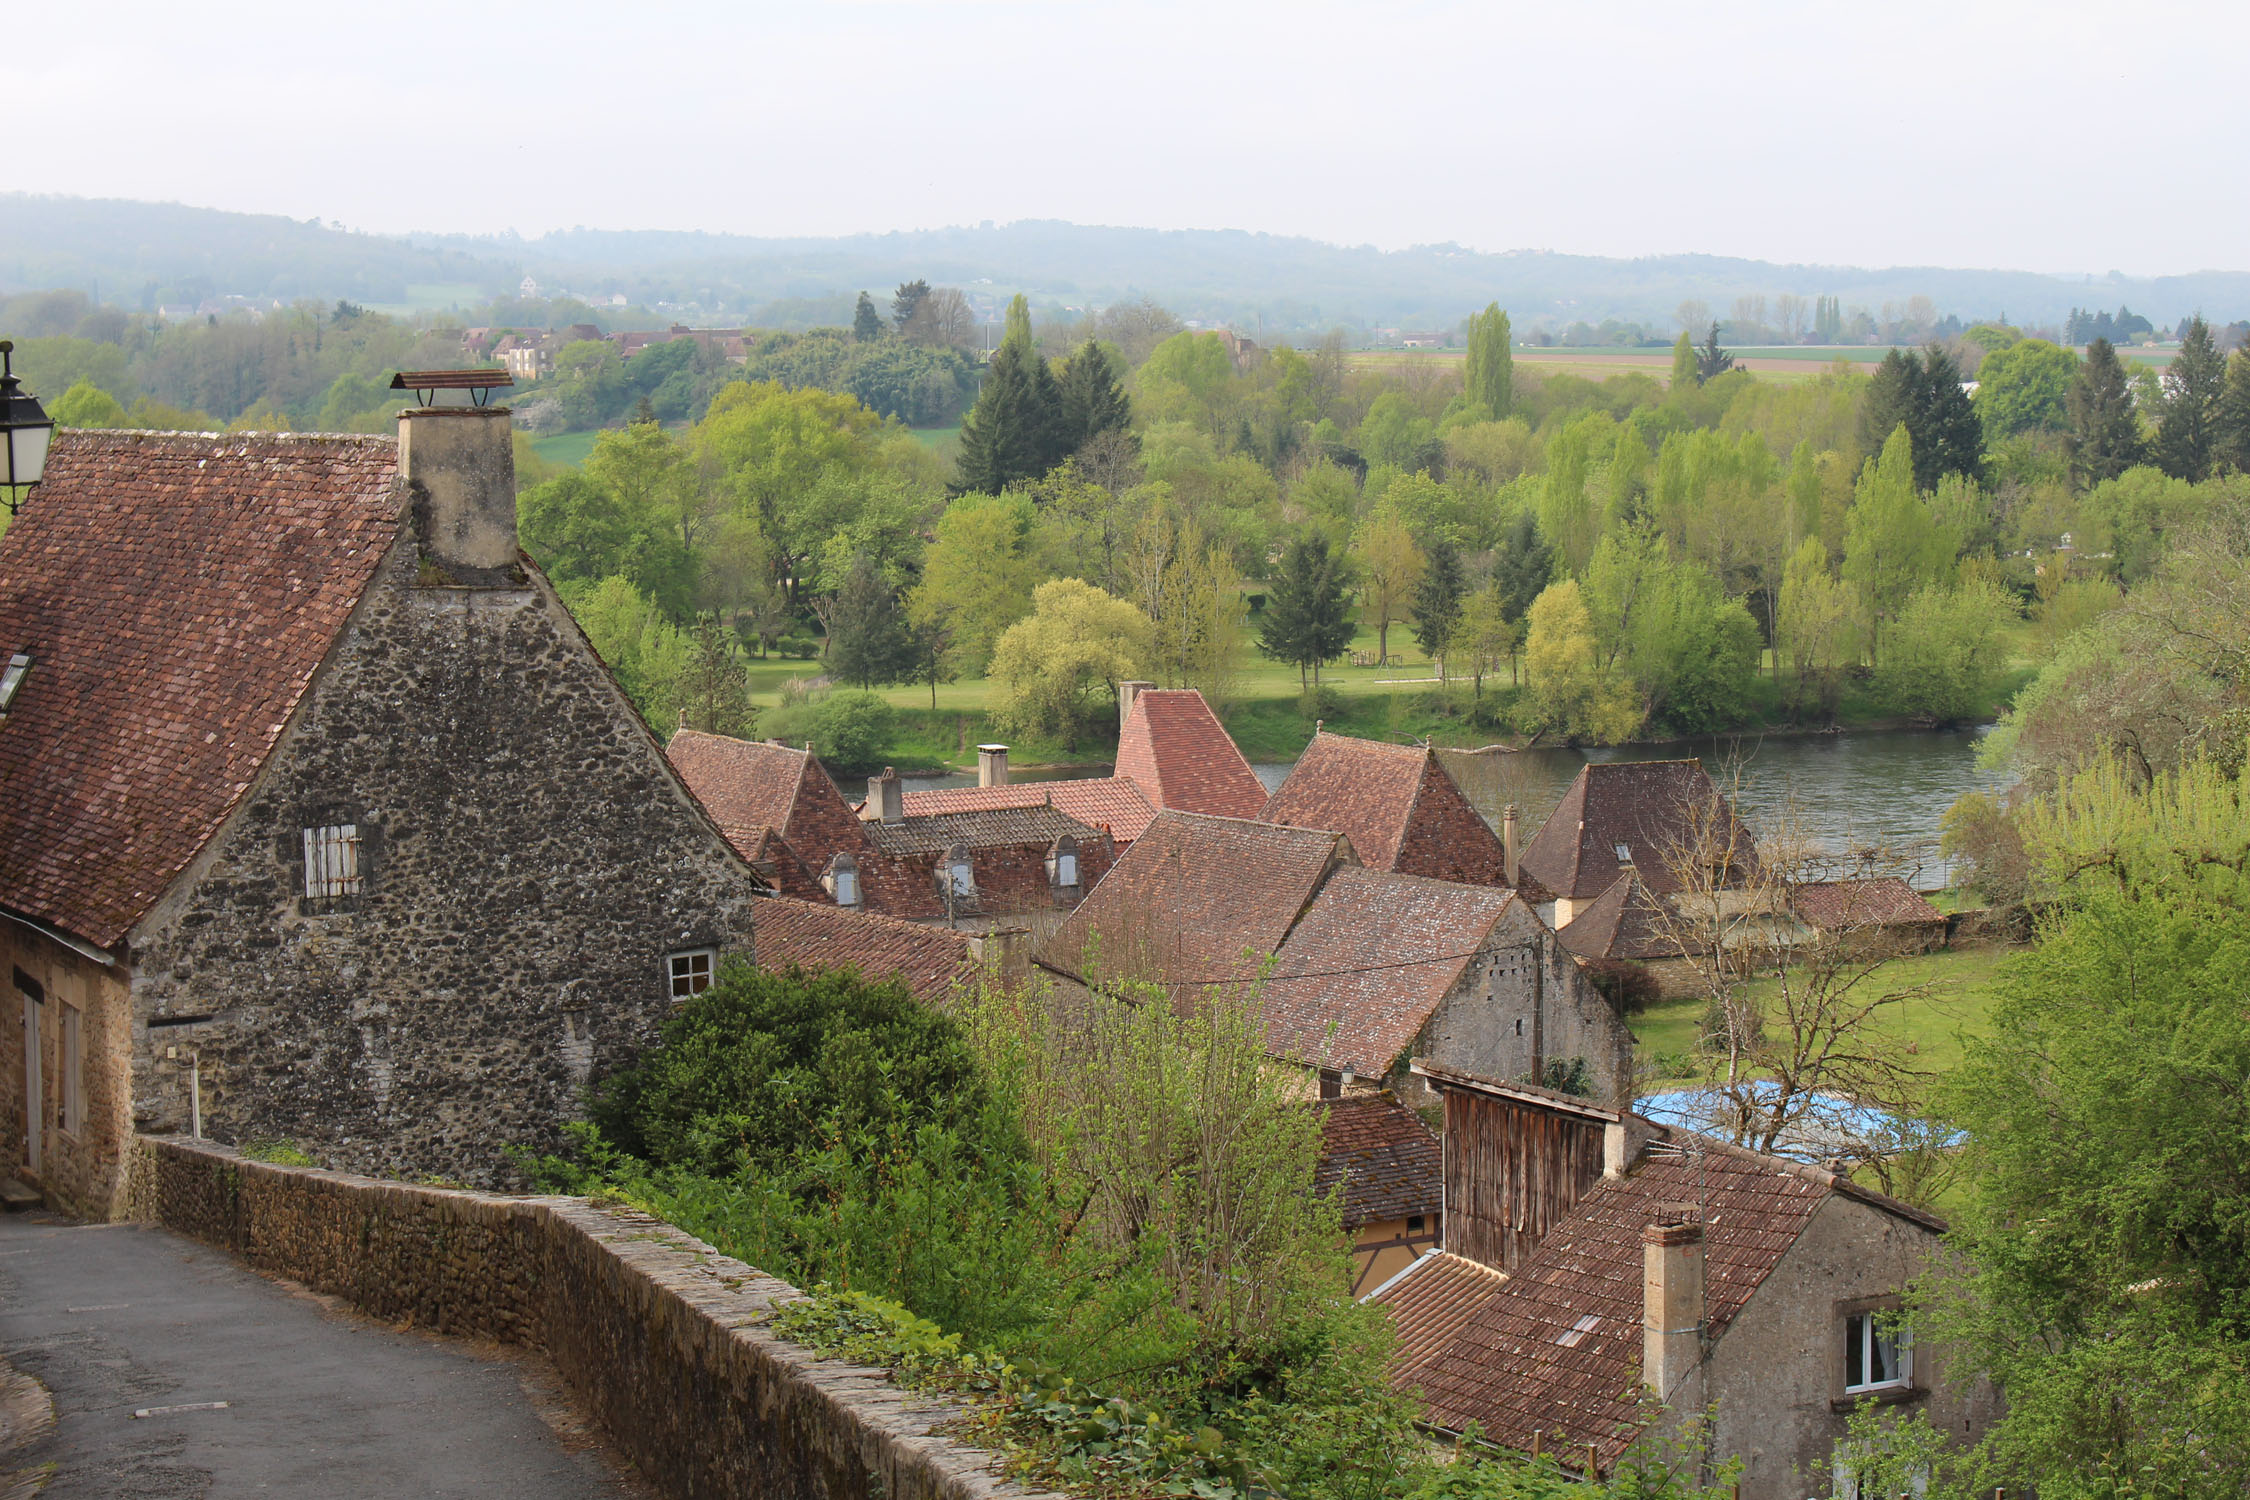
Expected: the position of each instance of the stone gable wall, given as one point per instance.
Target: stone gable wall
(656, 1334)
(529, 861)
(1520, 1004)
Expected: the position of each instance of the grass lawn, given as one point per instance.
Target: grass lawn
(946, 440)
(566, 448)
(1958, 1006)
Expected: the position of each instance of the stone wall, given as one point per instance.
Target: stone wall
(1521, 1003)
(82, 1160)
(528, 861)
(656, 1334)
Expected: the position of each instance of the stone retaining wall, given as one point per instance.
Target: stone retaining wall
(658, 1335)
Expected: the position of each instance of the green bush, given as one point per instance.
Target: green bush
(854, 731)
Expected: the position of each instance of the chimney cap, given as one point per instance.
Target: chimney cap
(427, 383)
(993, 749)
(1672, 1234)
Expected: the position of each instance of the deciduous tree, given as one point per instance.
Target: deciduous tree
(1391, 566)
(1490, 377)
(1054, 671)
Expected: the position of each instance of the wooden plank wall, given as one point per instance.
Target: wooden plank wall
(1511, 1171)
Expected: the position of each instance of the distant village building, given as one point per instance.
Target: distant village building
(1402, 810)
(1387, 1168)
(1655, 820)
(1172, 752)
(932, 962)
(1603, 1274)
(976, 869)
(1358, 970)
(319, 818)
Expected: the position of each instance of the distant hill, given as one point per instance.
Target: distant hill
(143, 253)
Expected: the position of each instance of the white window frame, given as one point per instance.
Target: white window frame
(1863, 1336)
(332, 861)
(684, 967)
(843, 881)
(960, 873)
(1062, 865)
(73, 1120)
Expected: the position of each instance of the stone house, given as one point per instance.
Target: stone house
(1357, 971)
(1388, 1169)
(1012, 867)
(1603, 1274)
(319, 818)
(1172, 752)
(1402, 810)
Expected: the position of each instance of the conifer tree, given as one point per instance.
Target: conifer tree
(1307, 619)
(1018, 428)
(715, 690)
(2186, 443)
(1437, 603)
(1491, 373)
(2105, 431)
(1889, 401)
(1093, 399)
(1522, 565)
(903, 302)
(867, 324)
(1948, 435)
(1711, 361)
(2234, 414)
(868, 640)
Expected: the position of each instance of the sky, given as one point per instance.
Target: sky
(2058, 136)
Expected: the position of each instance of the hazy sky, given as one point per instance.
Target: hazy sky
(2056, 136)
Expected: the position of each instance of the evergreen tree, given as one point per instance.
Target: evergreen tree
(1016, 430)
(1491, 374)
(1437, 603)
(868, 640)
(1889, 401)
(1307, 618)
(1710, 360)
(2234, 413)
(2105, 431)
(867, 324)
(1093, 398)
(903, 302)
(1948, 435)
(715, 690)
(2187, 433)
(1522, 565)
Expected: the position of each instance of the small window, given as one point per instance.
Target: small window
(1624, 854)
(842, 880)
(1414, 1223)
(1062, 863)
(960, 874)
(1878, 1354)
(1575, 1334)
(11, 679)
(690, 971)
(1331, 1084)
(73, 1105)
(332, 860)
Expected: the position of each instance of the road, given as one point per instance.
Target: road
(119, 1319)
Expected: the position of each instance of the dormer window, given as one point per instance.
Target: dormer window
(11, 679)
(958, 873)
(1624, 854)
(1062, 863)
(842, 880)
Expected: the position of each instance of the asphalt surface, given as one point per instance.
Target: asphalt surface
(116, 1319)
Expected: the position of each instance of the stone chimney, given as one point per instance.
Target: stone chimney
(1511, 838)
(992, 765)
(1126, 693)
(1671, 1305)
(1006, 950)
(886, 800)
(459, 465)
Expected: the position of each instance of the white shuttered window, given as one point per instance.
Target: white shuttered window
(332, 860)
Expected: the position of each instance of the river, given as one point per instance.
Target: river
(1883, 790)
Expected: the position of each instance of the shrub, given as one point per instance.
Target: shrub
(853, 730)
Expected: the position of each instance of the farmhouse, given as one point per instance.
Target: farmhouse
(1597, 1264)
(1357, 970)
(1388, 1169)
(319, 818)
(1657, 820)
(1401, 809)
(1172, 752)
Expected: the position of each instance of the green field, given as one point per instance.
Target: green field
(944, 439)
(566, 448)
(1958, 1007)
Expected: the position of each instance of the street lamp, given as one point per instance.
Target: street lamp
(25, 428)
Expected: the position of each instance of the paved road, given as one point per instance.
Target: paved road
(118, 1318)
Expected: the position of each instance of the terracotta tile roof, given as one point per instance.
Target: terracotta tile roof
(1196, 899)
(931, 960)
(1882, 901)
(1389, 1162)
(1648, 807)
(1106, 802)
(746, 785)
(1430, 1302)
(176, 593)
(1622, 922)
(983, 829)
(1365, 967)
(1509, 1368)
(1174, 748)
(1363, 789)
